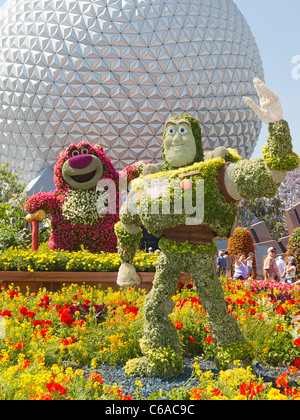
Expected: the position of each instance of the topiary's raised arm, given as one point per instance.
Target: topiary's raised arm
(257, 178)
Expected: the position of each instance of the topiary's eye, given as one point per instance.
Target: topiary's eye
(171, 131)
(75, 153)
(85, 151)
(182, 130)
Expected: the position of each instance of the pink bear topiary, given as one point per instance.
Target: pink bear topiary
(79, 210)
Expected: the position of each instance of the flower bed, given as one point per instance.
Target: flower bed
(48, 337)
(53, 269)
(18, 259)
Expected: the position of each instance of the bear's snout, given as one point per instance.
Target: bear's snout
(80, 161)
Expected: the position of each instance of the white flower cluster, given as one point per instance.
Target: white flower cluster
(83, 207)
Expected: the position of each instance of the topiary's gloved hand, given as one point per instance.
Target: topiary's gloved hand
(127, 276)
(270, 110)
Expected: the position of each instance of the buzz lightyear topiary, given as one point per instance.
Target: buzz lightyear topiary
(188, 241)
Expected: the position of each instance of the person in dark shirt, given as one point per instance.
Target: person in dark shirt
(221, 264)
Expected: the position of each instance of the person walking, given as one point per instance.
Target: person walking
(270, 267)
(249, 262)
(221, 264)
(281, 265)
(228, 267)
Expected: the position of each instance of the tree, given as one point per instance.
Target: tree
(9, 184)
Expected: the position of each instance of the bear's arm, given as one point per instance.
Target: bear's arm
(48, 202)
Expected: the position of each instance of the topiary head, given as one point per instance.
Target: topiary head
(81, 166)
(182, 142)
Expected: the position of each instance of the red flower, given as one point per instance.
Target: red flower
(280, 328)
(280, 310)
(133, 309)
(25, 312)
(251, 311)
(191, 339)
(43, 332)
(41, 322)
(24, 364)
(53, 387)
(209, 340)
(178, 325)
(297, 362)
(297, 342)
(44, 302)
(66, 318)
(67, 341)
(6, 313)
(13, 293)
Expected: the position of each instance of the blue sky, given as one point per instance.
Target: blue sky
(275, 25)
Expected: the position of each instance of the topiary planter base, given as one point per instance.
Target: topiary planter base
(55, 280)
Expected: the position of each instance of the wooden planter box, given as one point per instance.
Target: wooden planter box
(54, 280)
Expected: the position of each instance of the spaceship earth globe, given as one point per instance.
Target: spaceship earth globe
(113, 71)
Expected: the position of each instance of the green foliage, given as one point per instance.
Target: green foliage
(9, 183)
(218, 214)
(278, 152)
(253, 181)
(293, 249)
(127, 243)
(236, 351)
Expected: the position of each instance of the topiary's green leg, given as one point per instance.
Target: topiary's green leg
(160, 344)
(224, 327)
(159, 330)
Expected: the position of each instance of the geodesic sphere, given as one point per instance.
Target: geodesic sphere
(114, 71)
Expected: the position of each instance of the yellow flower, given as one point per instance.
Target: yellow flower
(274, 394)
(138, 383)
(240, 398)
(93, 363)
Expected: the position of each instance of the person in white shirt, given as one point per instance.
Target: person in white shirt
(281, 267)
(290, 271)
(249, 262)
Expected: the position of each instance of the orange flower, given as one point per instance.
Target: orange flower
(196, 394)
(18, 346)
(25, 364)
(46, 396)
(95, 377)
(250, 390)
(282, 380)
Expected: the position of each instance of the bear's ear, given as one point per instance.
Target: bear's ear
(63, 155)
(98, 147)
